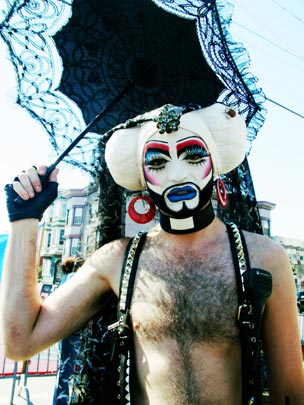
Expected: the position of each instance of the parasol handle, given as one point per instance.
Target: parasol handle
(98, 117)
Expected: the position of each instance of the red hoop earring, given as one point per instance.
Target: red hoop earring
(137, 216)
(221, 192)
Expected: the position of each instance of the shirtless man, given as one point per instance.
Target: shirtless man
(184, 302)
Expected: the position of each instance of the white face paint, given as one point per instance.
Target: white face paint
(177, 168)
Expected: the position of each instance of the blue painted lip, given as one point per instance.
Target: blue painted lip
(181, 193)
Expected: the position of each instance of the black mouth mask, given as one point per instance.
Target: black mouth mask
(204, 198)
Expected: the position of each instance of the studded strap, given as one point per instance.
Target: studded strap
(126, 347)
(129, 271)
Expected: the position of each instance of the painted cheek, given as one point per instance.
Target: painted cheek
(151, 177)
(207, 169)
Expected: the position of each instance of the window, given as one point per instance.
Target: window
(48, 239)
(67, 217)
(78, 215)
(61, 237)
(74, 246)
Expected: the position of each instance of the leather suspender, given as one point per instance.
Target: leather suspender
(254, 286)
(240, 266)
(123, 342)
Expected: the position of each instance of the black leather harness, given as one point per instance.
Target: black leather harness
(254, 286)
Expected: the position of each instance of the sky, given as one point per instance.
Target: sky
(271, 31)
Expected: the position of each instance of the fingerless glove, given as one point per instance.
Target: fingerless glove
(32, 208)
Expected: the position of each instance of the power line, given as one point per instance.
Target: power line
(285, 108)
(268, 40)
(288, 11)
(273, 55)
(249, 12)
(282, 48)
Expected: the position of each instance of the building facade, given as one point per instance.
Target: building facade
(68, 229)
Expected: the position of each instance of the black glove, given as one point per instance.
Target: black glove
(32, 208)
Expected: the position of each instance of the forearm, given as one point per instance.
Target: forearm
(20, 301)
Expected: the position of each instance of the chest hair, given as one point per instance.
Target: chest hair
(190, 297)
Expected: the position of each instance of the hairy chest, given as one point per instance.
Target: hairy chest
(190, 298)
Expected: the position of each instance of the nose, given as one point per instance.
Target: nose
(177, 172)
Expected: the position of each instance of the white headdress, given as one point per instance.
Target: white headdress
(222, 129)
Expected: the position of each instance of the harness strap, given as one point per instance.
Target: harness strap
(240, 266)
(254, 286)
(123, 342)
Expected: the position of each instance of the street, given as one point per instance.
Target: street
(41, 375)
(40, 391)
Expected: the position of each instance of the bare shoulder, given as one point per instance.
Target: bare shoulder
(107, 261)
(266, 253)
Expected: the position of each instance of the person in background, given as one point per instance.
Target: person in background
(68, 347)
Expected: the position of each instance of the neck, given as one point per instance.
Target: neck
(197, 222)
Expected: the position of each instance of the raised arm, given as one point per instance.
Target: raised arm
(28, 324)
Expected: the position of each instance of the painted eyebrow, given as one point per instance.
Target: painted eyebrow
(184, 143)
(157, 146)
